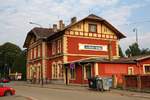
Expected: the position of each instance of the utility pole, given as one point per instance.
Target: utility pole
(136, 32)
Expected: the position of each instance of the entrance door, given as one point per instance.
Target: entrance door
(88, 71)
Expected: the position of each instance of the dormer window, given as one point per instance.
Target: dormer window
(93, 28)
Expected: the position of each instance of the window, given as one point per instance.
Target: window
(79, 26)
(92, 28)
(105, 29)
(54, 71)
(60, 72)
(130, 71)
(57, 70)
(39, 51)
(72, 73)
(147, 69)
(35, 52)
(31, 53)
(53, 47)
(59, 46)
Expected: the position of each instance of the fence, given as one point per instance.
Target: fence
(138, 82)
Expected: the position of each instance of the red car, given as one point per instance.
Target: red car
(4, 80)
(6, 91)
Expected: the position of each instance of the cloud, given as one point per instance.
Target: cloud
(119, 15)
(101, 3)
(16, 14)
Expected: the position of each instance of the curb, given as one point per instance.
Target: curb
(131, 94)
(57, 88)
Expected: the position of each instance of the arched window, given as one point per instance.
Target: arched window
(54, 70)
(57, 70)
(61, 70)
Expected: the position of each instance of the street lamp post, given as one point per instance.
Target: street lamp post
(136, 32)
(35, 24)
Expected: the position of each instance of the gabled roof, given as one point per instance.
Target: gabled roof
(96, 18)
(48, 33)
(40, 33)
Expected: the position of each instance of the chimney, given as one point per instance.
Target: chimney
(110, 51)
(55, 27)
(73, 20)
(61, 24)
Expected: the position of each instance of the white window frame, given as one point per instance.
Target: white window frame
(74, 69)
(60, 70)
(144, 68)
(53, 47)
(59, 46)
(132, 68)
(53, 70)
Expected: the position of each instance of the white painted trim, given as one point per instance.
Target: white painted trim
(132, 70)
(144, 68)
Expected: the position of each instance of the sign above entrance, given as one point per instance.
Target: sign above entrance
(92, 47)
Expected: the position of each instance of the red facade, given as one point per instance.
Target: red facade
(51, 52)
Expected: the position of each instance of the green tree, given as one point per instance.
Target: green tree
(19, 64)
(145, 51)
(133, 50)
(8, 53)
(120, 52)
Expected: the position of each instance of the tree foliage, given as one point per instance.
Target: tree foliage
(19, 64)
(134, 50)
(10, 54)
(120, 52)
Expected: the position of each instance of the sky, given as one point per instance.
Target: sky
(125, 15)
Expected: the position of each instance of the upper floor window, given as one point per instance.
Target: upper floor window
(92, 28)
(53, 47)
(59, 46)
(105, 30)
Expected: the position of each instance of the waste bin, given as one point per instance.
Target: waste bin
(99, 83)
(106, 84)
(92, 82)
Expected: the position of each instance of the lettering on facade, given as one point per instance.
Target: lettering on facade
(92, 47)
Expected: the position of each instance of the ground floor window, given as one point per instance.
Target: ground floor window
(130, 71)
(147, 69)
(60, 71)
(57, 70)
(72, 73)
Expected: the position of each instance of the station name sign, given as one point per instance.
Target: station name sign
(92, 47)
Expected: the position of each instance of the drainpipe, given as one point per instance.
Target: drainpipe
(110, 51)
